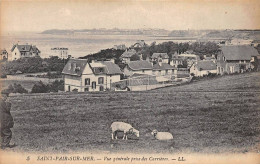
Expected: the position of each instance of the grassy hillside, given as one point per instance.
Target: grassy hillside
(211, 116)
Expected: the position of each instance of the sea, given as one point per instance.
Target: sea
(79, 44)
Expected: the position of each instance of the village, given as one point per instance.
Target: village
(130, 82)
(137, 71)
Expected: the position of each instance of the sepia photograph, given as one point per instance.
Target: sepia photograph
(130, 81)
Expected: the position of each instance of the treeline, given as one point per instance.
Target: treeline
(105, 54)
(170, 48)
(33, 65)
(39, 87)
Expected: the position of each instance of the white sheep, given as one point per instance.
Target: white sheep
(162, 135)
(123, 127)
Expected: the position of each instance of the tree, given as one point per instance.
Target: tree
(135, 57)
(17, 88)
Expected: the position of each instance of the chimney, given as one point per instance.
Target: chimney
(171, 62)
(74, 66)
(112, 60)
(147, 58)
(160, 62)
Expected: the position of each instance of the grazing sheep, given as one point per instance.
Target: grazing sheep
(162, 135)
(124, 127)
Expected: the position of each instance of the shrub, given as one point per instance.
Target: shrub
(16, 88)
(3, 76)
(19, 89)
(40, 87)
(57, 85)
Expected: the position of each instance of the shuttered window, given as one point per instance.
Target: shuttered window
(87, 81)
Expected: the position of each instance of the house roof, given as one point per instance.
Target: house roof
(75, 67)
(206, 65)
(140, 65)
(239, 52)
(176, 58)
(128, 53)
(188, 55)
(112, 68)
(35, 49)
(162, 55)
(209, 58)
(3, 51)
(25, 48)
(164, 66)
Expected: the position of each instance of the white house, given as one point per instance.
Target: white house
(163, 69)
(190, 58)
(20, 51)
(175, 61)
(138, 67)
(60, 52)
(160, 57)
(81, 76)
(201, 68)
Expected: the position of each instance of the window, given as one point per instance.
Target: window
(100, 70)
(87, 81)
(86, 89)
(15, 53)
(69, 88)
(101, 80)
(232, 69)
(224, 59)
(94, 85)
(143, 71)
(101, 88)
(166, 71)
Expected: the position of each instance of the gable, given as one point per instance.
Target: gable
(75, 67)
(87, 70)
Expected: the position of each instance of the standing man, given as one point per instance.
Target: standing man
(6, 121)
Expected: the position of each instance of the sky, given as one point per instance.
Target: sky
(40, 15)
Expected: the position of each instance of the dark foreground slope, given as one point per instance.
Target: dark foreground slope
(212, 116)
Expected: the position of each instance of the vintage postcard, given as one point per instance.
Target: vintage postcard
(130, 82)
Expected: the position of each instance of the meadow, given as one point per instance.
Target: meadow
(210, 116)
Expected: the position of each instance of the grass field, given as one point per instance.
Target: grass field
(211, 116)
